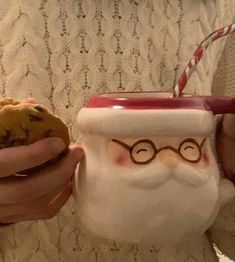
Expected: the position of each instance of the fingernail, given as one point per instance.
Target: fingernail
(57, 145)
(78, 153)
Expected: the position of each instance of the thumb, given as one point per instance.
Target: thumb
(29, 100)
(228, 125)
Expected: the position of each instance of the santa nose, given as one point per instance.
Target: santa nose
(168, 158)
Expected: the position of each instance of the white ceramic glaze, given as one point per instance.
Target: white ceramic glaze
(124, 196)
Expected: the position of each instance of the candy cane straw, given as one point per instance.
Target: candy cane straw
(197, 56)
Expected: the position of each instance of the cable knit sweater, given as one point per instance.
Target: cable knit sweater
(62, 51)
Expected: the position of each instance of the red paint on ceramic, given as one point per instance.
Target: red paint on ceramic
(120, 160)
(161, 100)
(205, 157)
(144, 100)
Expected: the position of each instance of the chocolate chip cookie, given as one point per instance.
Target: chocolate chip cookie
(25, 123)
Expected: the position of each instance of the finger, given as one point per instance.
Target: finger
(29, 100)
(225, 152)
(229, 125)
(15, 159)
(46, 213)
(31, 206)
(21, 189)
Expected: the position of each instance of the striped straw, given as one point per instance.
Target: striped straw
(197, 57)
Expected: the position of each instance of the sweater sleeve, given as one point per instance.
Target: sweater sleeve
(223, 230)
(224, 79)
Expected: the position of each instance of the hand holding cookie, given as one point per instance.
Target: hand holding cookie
(41, 194)
(22, 123)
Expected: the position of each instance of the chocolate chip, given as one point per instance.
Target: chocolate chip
(26, 131)
(4, 138)
(39, 108)
(48, 132)
(34, 118)
(18, 141)
(8, 134)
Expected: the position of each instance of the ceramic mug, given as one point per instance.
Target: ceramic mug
(149, 173)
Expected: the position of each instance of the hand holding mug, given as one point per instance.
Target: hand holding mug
(226, 146)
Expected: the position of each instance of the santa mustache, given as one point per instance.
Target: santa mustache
(156, 174)
(191, 176)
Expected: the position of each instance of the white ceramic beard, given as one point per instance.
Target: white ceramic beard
(151, 203)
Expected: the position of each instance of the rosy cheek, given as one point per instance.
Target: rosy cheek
(205, 157)
(120, 159)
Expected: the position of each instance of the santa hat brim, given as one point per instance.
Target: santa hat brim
(149, 122)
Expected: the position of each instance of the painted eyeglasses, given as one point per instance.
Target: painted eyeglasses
(144, 151)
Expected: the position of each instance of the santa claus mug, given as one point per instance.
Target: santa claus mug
(149, 173)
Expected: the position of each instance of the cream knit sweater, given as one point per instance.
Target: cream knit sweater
(62, 51)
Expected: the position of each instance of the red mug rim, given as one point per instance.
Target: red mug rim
(161, 100)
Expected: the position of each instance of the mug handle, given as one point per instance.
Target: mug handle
(220, 105)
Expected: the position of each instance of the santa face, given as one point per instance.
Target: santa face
(152, 161)
(157, 189)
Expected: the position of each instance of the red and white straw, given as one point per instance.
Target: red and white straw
(197, 57)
